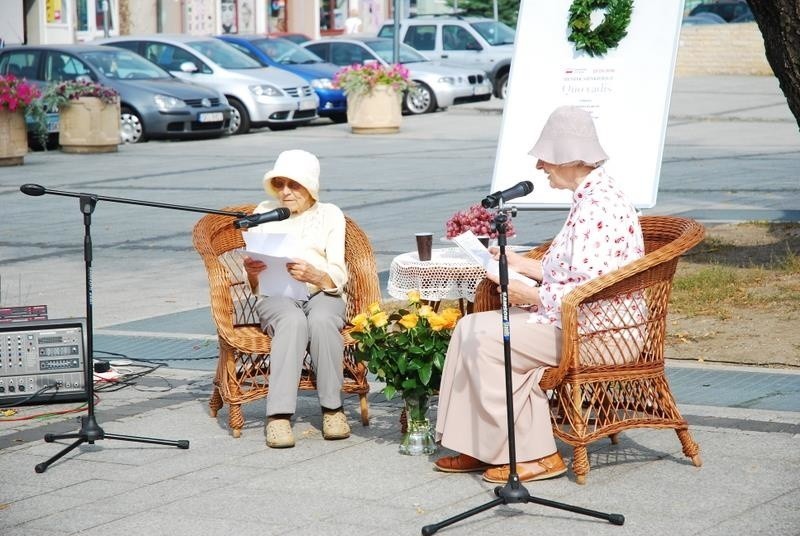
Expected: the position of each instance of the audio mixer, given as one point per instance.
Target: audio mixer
(42, 361)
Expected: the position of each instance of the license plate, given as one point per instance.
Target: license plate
(210, 117)
(309, 104)
(52, 123)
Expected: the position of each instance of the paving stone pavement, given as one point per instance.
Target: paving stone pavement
(732, 154)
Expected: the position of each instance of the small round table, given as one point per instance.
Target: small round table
(450, 274)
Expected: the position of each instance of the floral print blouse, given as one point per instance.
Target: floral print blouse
(601, 234)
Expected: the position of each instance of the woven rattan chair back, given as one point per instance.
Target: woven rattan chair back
(244, 351)
(611, 374)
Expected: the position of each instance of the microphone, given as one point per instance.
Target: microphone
(518, 190)
(32, 189)
(257, 219)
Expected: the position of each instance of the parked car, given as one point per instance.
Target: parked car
(703, 18)
(284, 54)
(296, 38)
(260, 96)
(730, 10)
(153, 103)
(468, 42)
(436, 85)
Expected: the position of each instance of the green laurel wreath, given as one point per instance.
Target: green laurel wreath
(608, 34)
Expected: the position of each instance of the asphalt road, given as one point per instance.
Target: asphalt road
(732, 152)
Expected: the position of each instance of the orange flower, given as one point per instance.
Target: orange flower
(451, 316)
(437, 322)
(413, 297)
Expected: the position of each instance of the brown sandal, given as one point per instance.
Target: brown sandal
(461, 463)
(548, 467)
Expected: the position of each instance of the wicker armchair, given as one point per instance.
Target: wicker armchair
(612, 379)
(243, 367)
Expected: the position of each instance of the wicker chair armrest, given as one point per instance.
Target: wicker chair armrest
(691, 234)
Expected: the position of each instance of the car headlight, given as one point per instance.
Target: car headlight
(322, 83)
(166, 103)
(447, 80)
(266, 91)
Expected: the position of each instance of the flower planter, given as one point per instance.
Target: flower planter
(88, 125)
(378, 112)
(13, 138)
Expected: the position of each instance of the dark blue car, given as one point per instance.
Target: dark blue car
(282, 53)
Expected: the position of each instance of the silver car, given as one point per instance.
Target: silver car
(259, 96)
(437, 85)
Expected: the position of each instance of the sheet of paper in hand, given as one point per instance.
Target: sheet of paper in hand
(275, 250)
(470, 244)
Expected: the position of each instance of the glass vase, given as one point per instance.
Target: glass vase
(418, 438)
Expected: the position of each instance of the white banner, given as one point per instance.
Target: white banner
(627, 91)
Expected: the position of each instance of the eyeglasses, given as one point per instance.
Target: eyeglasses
(278, 183)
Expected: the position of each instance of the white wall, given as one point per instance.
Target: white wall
(11, 22)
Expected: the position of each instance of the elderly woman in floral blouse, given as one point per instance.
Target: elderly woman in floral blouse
(601, 234)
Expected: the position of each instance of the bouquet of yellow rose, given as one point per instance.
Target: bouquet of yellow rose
(405, 349)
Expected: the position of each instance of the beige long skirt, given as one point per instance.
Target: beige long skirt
(472, 416)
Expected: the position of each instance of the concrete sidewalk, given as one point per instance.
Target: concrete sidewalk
(732, 154)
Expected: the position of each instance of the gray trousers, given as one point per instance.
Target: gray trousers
(295, 326)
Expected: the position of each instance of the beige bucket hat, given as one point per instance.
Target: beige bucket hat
(300, 166)
(569, 136)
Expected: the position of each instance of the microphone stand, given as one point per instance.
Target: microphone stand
(513, 491)
(90, 431)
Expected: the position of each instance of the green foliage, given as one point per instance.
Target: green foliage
(507, 10)
(608, 33)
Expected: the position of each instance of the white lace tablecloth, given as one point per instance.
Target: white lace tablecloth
(450, 274)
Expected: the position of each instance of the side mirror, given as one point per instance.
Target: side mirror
(84, 79)
(474, 46)
(188, 67)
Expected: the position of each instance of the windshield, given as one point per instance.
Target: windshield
(384, 50)
(124, 64)
(224, 55)
(495, 33)
(285, 52)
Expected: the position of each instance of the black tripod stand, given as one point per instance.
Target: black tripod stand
(91, 431)
(513, 491)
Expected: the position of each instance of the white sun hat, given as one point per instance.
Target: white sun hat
(569, 137)
(300, 166)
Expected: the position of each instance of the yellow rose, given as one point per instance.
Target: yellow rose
(425, 310)
(437, 322)
(374, 308)
(451, 316)
(409, 321)
(379, 319)
(413, 296)
(360, 323)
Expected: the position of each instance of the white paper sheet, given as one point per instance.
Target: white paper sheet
(479, 253)
(275, 250)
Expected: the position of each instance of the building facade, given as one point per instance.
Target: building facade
(75, 21)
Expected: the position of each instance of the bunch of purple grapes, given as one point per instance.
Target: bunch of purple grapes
(476, 219)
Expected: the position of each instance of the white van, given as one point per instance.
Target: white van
(259, 96)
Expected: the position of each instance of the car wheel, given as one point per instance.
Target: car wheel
(240, 119)
(339, 117)
(420, 99)
(131, 129)
(502, 87)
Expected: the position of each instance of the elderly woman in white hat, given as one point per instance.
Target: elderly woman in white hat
(601, 233)
(312, 324)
